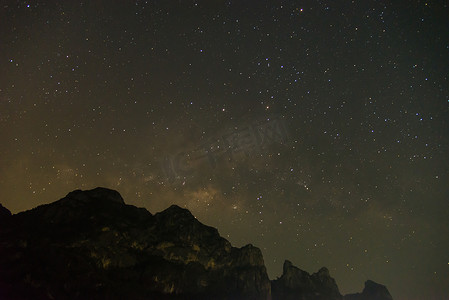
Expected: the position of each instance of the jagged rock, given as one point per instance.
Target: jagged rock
(372, 291)
(298, 284)
(91, 245)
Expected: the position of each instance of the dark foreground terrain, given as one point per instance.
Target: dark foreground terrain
(91, 245)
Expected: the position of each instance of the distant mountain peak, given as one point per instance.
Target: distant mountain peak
(372, 291)
(323, 272)
(296, 283)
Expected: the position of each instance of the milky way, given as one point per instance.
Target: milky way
(317, 131)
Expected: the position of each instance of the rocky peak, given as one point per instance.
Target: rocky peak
(80, 208)
(98, 193)
(298, 284)
(372, 291)
(375, 289)
(250, 256)
(175, 215)
(323, 272)
(287, 264)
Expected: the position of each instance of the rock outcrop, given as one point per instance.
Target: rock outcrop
(298, 284)
(91, 245)
(372, 291)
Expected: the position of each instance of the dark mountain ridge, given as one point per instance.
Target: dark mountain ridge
(91, 245)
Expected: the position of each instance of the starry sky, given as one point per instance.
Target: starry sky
(316, 130)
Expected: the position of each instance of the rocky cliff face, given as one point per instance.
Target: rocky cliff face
(91, 245)
(298, 284)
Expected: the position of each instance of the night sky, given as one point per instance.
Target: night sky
(316, 130)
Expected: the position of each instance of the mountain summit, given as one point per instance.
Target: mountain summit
(91, 245)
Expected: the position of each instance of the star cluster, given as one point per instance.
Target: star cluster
(317, 131)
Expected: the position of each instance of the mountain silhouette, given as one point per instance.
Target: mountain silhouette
(92, 245)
